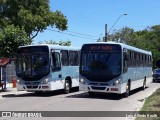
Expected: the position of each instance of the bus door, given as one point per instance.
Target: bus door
(56, 65)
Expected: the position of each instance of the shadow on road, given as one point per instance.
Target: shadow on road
(156, 81)
(43, 94)
(97, 96)
(18, 95)
(109, 96)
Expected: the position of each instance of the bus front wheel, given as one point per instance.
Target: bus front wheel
(126, 94)
(38, 92)
(91, 93)
(67, 87)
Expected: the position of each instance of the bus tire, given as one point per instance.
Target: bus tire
(38, 92)
(144, 84)
(67, 87)
(91, 93)
(126, 94)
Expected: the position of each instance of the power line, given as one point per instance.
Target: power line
(132, 26)
(88, 19)
(81, 34)
(70, 34)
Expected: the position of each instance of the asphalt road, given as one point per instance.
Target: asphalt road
(77, 101)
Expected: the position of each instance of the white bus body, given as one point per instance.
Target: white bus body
(47, 68)
(113, 68)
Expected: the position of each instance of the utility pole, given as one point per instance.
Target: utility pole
(106, 33)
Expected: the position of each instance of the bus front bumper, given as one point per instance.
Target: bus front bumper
(21, 87)
(104, 89)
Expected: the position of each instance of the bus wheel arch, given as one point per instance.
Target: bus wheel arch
(67, 85)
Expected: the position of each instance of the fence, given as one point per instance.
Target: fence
(10, 72)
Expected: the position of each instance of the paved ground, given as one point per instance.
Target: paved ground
(10, 90)
(14, 100)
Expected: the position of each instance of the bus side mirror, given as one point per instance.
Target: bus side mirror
(125, 56)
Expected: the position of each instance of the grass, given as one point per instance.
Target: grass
(151, 106)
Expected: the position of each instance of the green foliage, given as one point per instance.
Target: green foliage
(122, 35)
(10, 39)
(32, 15)
(147, 39)
(22, 20)
(62, 43)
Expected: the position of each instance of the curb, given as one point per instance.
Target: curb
(10, 90)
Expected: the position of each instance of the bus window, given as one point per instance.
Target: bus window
(72, 56)
(65, 60)
(77, 58)
(56, 62)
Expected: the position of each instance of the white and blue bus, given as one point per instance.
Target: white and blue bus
(47, 68)
(113, 68)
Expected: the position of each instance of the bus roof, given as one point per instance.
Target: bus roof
(55, 47)
(123, 46)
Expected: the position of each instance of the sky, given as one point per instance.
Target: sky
(87, 18)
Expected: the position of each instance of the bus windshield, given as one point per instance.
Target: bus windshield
(100, 66)
(32, 65)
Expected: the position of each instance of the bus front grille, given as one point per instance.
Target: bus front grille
(32, 83)
(103, 84)
(98, 88)
(32, 87)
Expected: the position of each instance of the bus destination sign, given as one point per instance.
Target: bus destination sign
(101, 47)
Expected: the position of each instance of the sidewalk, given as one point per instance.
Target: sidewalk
(10, 90)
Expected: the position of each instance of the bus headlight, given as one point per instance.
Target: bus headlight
(116, 82)
(18, 81)
(45, 81)
(82, 81)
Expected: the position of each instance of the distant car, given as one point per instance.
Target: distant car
(156, 75)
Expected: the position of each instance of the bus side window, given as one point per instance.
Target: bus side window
(77, 57)
(65, 58)
(56, 62)
(73, 58)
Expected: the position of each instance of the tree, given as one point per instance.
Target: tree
(31, 15)
(10, 39)
(62, 43)
(123, 35)
(147, 39)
